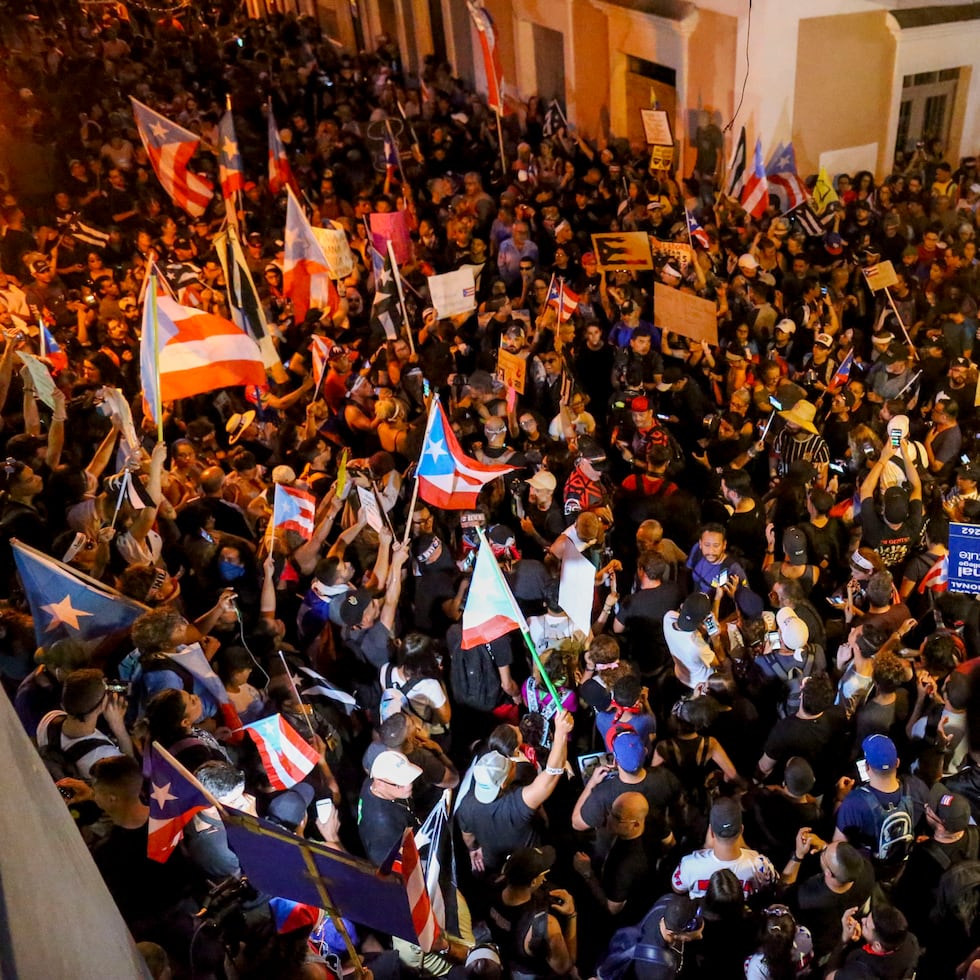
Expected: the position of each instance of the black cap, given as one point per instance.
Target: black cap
(526, 863)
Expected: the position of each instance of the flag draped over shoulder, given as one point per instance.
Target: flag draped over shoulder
(447, 476)
(229, 159)
(755, 193)
(487, 32)
(66, 604)
(491, 609)
(174, 800)
(306, 273)
(286, 756)
(280, 172)
(170, 148)
(185, 352)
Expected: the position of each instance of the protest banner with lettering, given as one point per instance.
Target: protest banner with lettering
(656, 127)
(964, 558)
(336, 250)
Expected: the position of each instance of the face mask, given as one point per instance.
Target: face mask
(230, 572)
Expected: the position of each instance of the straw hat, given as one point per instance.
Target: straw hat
(801, 414)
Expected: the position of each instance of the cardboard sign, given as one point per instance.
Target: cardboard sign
(679, 253)
(622, 250)
(656, 127)
(686, 314)
(964, 558)
(880, 276)
(336, 251)
(662, 158)
(454, 292)
(512, 370)
(369, 510)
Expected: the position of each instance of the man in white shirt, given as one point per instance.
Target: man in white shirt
(694, 659)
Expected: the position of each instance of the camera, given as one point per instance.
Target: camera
(117, 687)
(224, 899)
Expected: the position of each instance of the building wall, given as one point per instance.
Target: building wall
(831, 112)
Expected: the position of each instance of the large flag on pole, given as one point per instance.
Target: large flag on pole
(185, 352)
(243, 298)
(306, 272)
(170, 148)
(68, 605)
(447, 476)
(487, 31)
(491, 610)
(823, 192)
(174, 798)
(280, 172)
(294, 510)
(736, 168)
(386, 311)
(409, 866)
(229, 159)
(755, 193)
(784, 181)
(286, 756)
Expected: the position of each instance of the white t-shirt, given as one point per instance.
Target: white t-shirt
(426, 697)
(754, 870)
(102, 747)
(694, 660)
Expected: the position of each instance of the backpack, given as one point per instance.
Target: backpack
(625, 947)
(896, 833)
(63, 763)
(474, 677)
(394, 696)
(792, 679)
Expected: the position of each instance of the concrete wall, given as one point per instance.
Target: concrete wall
(830, 111)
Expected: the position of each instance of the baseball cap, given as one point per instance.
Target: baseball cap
(591, 450)
(794, 544)
(895, 354)
(354, 605)
(726, 818)
(833, 243)
(630, 750)
(970, 472)
(526, 863)
(40, 265)
(880, 753)
(896, 505)
(794, 633)
(960, 362)
(823, 340)
(489, 775)
(693, 612)
(786, 326)
(952, 809)
(290, 807)
(542, 480)
(749, 603)
(748, 261)
(393, 767)
(640, 404)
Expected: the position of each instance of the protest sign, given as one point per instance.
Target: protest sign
(623, 250)
(684, 313)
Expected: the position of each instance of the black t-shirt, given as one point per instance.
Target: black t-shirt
(891, 544)
(642, 613)
(624, 877)
(897, 965)
(812, 738)
(431, 590)
(820, 909)
(499, 827)
(746, 534)
(381, 823)
(652, 936)
(593, 693)
(659, 787)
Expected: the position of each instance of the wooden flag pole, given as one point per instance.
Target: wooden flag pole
(500, 139)
(401, 296)
(901, 322)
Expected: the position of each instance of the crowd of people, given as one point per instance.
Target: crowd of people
(763, 728)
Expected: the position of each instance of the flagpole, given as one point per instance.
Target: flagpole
(299, 700)
(901, 323)
(391, 136)
(401, 296)
(502, 582)
(158, 395)
(415, 488)
(119, 499)
(500, 139)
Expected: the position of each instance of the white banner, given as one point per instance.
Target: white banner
(454, 292)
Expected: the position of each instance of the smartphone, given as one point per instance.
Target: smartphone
(773, 637)
(896, 437)
(324, 809)
(964, 459)
(426, 387)
(723, 577)
(836, 600)
(837, 468)
(663, 418)
(711, 625)
(117, 687)
(862, 768)
(776, 403)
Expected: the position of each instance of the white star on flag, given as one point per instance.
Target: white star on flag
(158, 130)
(63, 613)
(435, 449)
(228, 148)
(161, 795)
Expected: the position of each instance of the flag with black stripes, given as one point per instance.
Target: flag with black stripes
(86, 234)
(806, 220)
(554, 119)
(736, 169)
(386, 312)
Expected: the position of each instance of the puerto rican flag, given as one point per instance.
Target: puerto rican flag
(843, 373)
(485, 27)
(937, 578)
(755, 193)
(185, 352)
(447, 477)
(392, 161)
(563, 300)
(229, 158)
(280, 172)
(170, 148)
(697, 233)
(286, 756)
(406, 862)
(784, 181)
(306, 273)
(320, 348)
(174, 800)
(50, 348)
(293, 510)
(491, 610)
